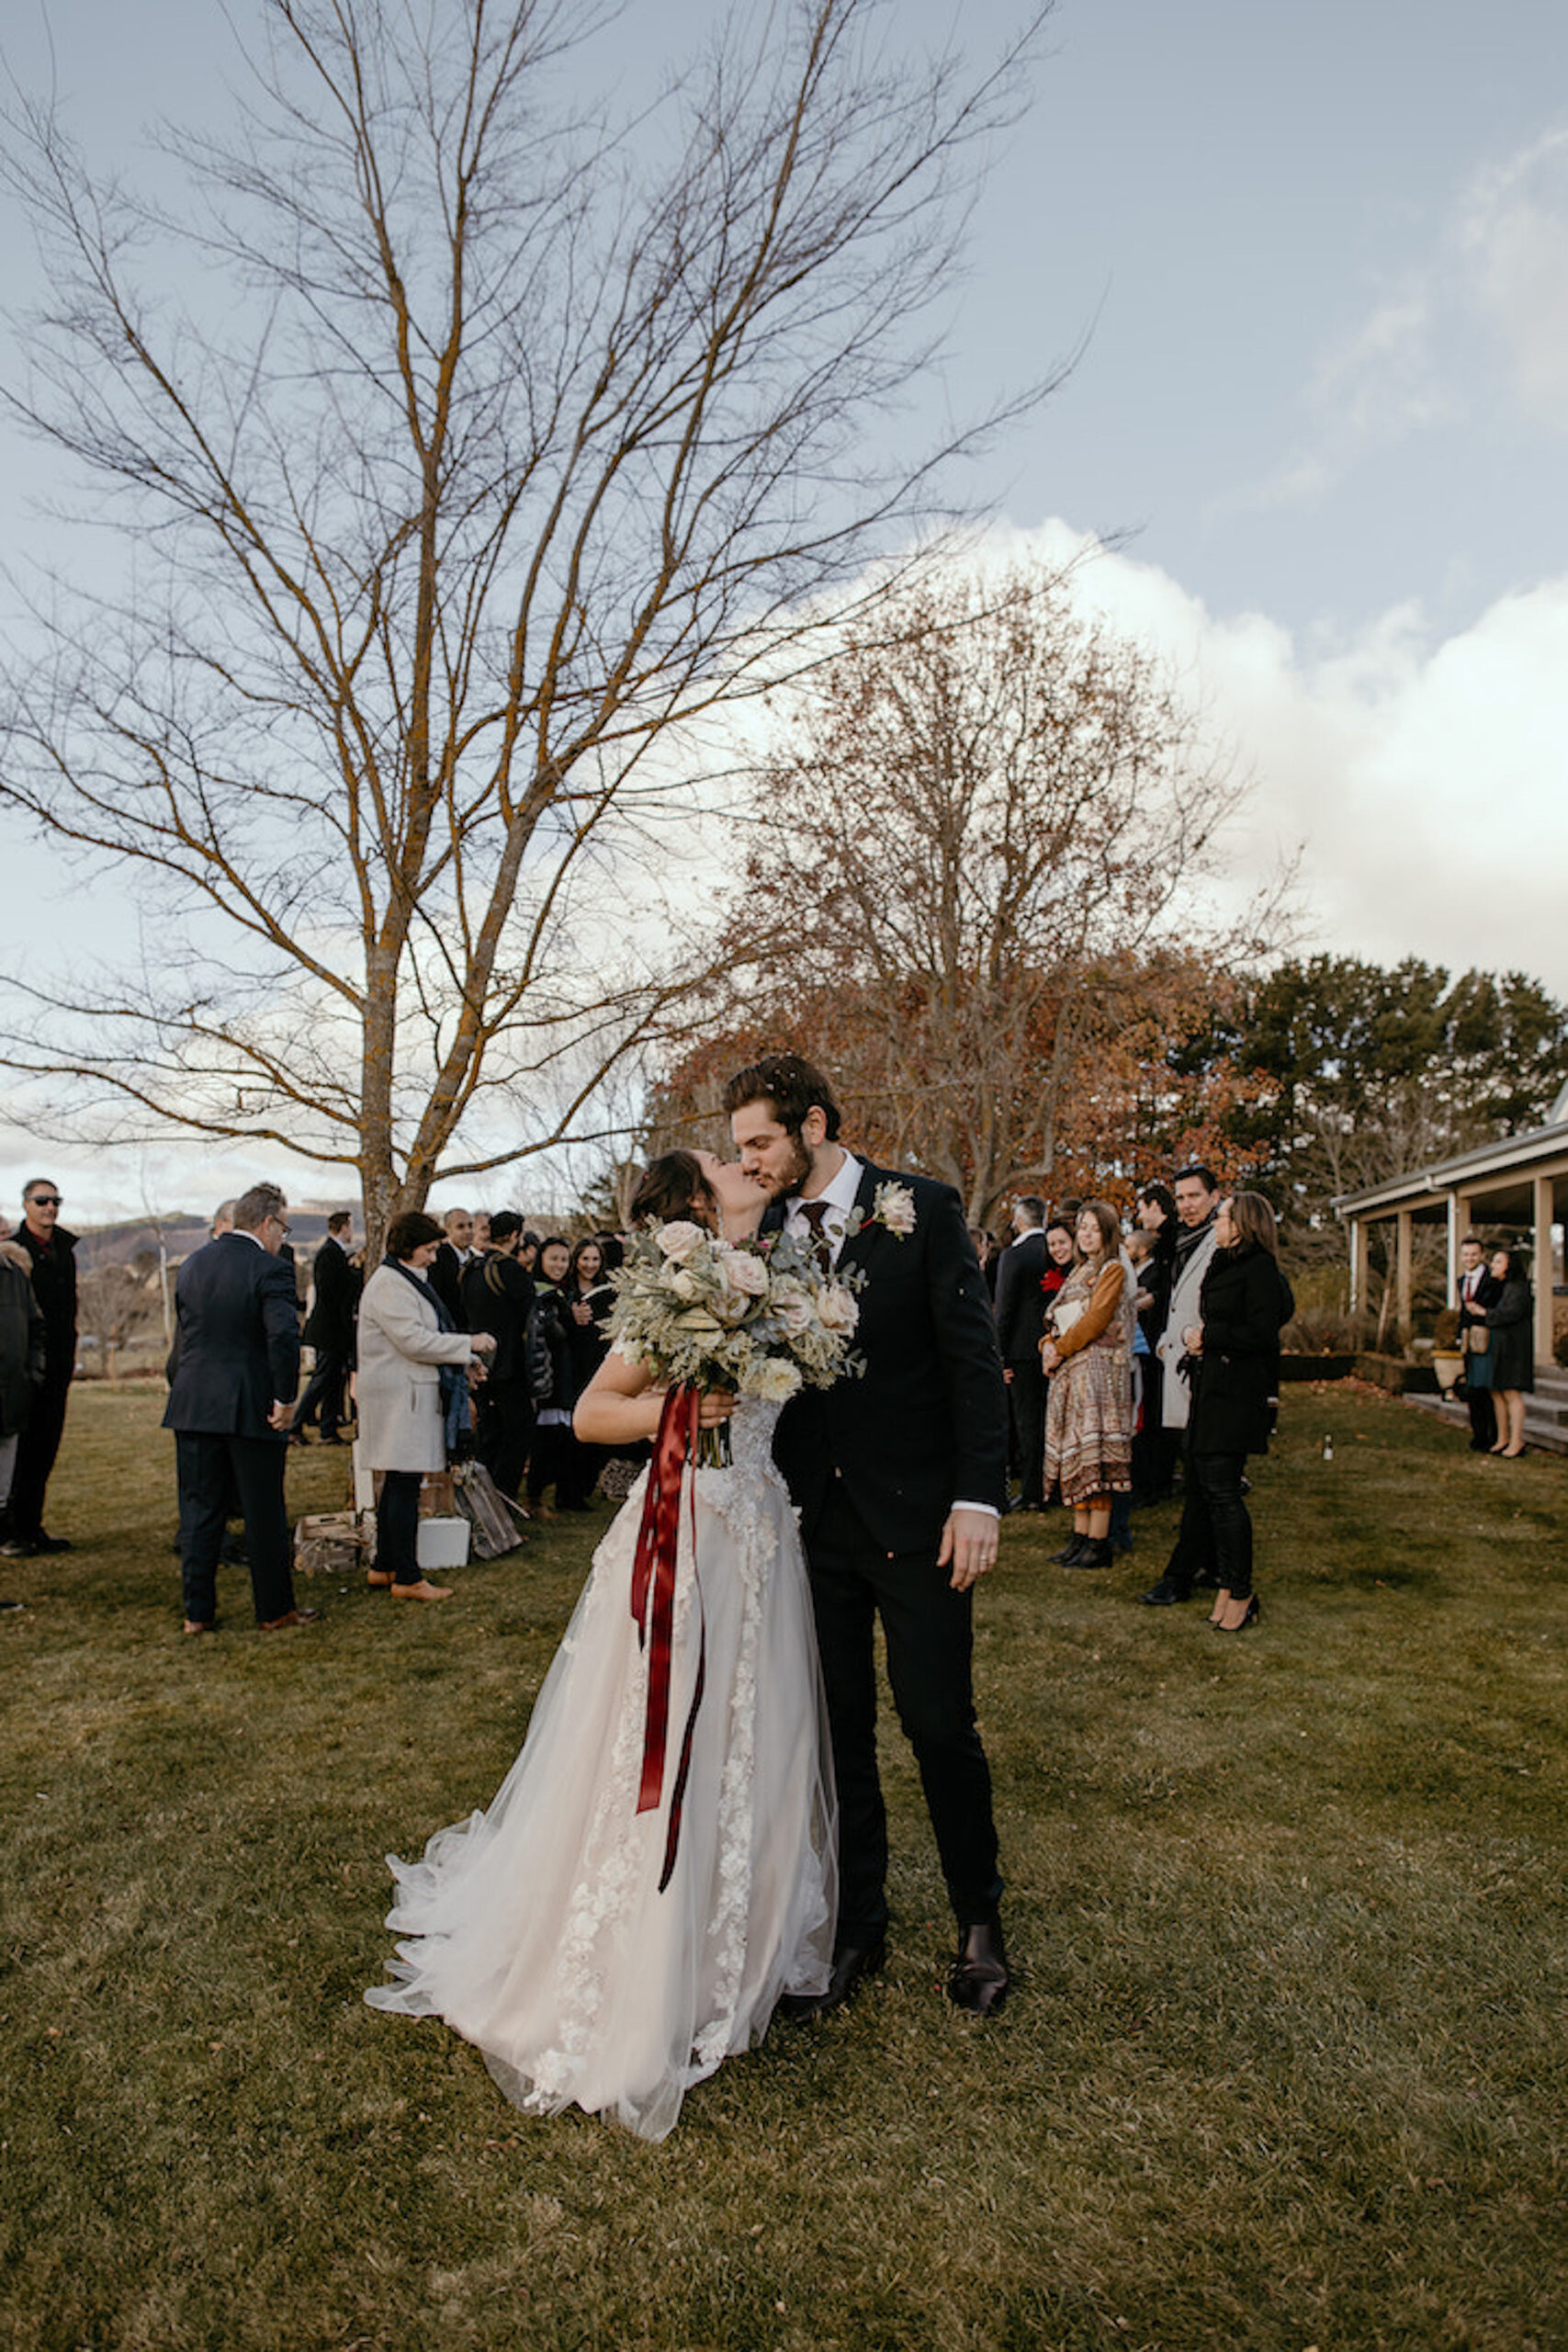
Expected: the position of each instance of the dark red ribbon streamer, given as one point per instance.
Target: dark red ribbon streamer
(653, 1608)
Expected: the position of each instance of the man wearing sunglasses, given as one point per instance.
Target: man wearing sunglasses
(52, 1252)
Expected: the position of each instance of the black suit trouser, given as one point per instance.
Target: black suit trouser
(1026, 1397)
(212, 1470)
(928, 1629)
(506, 1425)
(36, 1450)
(1483, 1418)
(323, 1396)
(1215, 1533)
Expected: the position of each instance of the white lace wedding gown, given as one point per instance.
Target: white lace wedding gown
(538, 1930)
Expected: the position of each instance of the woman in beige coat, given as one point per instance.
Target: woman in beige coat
(406, 1337)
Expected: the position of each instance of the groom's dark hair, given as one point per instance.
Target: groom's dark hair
(791, 1086)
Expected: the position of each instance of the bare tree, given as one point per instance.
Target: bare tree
(472, 445)
(971, 879)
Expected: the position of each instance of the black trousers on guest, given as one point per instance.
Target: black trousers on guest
(1026, 1397)
(323, 1396)
(36, 1452)
(506, 1425)
(1483, 1419)
(212, 1469)
(1215, 1533)
(927, 1630)
(397, 1526)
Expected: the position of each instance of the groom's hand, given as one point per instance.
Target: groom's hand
(969, 1544)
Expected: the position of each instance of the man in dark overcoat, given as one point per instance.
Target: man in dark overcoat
(235, 1372)
(52, 1252)
(329, 1328)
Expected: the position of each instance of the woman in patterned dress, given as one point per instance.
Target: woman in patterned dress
(1087, 1357)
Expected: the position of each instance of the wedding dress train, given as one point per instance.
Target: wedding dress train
(537, 1929)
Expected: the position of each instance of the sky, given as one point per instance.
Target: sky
(1314, 264)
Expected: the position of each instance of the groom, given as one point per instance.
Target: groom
(899, 1477)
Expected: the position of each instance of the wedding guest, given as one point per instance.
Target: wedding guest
(235, 1369)
(552, 1462)
(329, 1328)
(1021, 1327)
(1233, 1349)
(413, 1363)
(23, 1356)
(1512, 1324)
(51, 1253)
(498, 1298)
(1153, 1447)
(457, 1247)
(589, 1299)
(1477, 1290)
(1197, 1196)
(1086, 1354)
(986, 1254)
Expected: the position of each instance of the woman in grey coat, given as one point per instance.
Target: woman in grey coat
(407, 1342)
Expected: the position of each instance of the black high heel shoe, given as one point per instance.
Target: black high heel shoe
(1253, 1613)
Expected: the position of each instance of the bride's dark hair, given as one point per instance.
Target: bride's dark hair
(673, 1186)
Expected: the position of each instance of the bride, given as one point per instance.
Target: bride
(538, 1930)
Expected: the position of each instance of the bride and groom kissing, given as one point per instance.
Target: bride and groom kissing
(539, 1930)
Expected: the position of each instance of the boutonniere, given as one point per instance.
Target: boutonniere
(892, 1206)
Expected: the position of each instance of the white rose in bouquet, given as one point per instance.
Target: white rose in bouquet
(684, 1284)
(776, 1380)
(680, 1239)
(793, 1309)
(839, 1309)
(743, 1273)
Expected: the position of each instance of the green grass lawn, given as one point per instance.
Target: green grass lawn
(1285, 2063)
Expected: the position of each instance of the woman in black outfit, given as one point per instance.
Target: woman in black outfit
(1512, 1323)
(1235, 1347)
(588, 1299)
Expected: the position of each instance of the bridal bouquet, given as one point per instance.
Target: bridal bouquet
(758, 1318)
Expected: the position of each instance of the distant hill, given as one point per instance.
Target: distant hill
(122, 1245)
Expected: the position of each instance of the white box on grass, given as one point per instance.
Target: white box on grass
(443, 1544)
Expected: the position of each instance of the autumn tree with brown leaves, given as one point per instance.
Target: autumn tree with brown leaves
(971, 888)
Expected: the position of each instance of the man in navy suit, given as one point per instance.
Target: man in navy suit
(1021, 1327)
(901, 1477)
(235, 1370)
(329, 1328)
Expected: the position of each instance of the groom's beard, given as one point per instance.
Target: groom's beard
(790, 1178)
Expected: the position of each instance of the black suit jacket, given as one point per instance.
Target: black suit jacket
(329, 1325)
(447, 1281)
(237, 1340)
(925, 1426)
(1020, 1302)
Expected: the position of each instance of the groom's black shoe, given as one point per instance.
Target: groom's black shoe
(978, 1979)
(850, 1962)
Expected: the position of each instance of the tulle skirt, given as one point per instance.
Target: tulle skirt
(536, 1928)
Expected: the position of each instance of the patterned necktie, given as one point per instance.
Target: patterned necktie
(815, 1213)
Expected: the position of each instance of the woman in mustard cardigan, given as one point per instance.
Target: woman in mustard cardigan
(1087, 1357)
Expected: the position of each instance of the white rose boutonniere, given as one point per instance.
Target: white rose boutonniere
(894, 1207)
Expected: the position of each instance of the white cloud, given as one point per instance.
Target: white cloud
(1514, 238)
(1490, 297)
(1421, 777)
